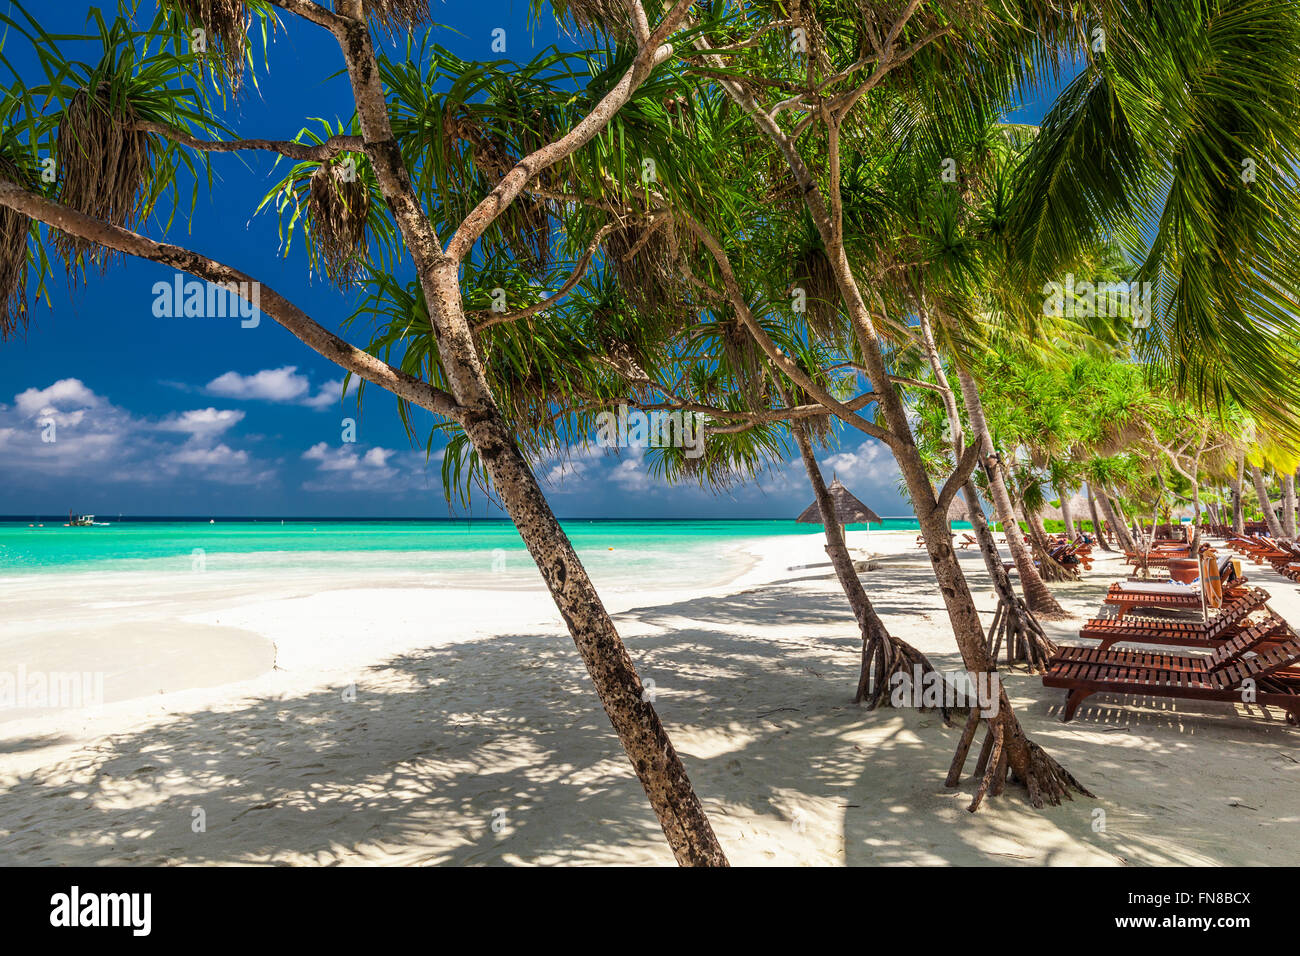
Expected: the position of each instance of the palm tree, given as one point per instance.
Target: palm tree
(1182, 120)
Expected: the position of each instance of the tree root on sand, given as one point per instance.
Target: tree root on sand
(884, 656)
(1047, 782)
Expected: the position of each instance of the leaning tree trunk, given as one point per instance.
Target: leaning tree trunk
(1066, 515)
(1014, 625)
(883, 656)
(1238, 506)
(621, 693)
(1049, 568)
(1011, 750)
(1037, 595)
(1115, 517)
(1046, 780)
(1288, 504)
(1097, 529)
(619, 687)
(1261, 491)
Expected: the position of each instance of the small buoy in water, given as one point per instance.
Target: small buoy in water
(611, 549)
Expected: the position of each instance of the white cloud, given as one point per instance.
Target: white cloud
(202, 421)
(91, 435)
(219, 456)
(869, 464)
(331, 394)
(65, 393)
(347, 468)
(630, 475)
(271, 385)
(283, 386)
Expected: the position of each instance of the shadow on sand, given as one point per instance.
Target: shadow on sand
(498, 752)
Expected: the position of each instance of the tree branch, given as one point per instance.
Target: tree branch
(778, 358)
(293, 150)
(321, 16)
(652, 52)
(485, 320)
(965, 465)
(280, 309)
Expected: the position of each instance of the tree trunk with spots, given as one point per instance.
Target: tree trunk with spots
(1037, 595)
(1097, 531)
(644, 740)
(883, 655)
(1288, 505)
(1261, 492)
(1238, 506)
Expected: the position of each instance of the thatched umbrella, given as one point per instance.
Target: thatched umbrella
(848, 509)
(957, 510)
(1078, 506)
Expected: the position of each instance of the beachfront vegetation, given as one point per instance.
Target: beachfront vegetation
(792, 219)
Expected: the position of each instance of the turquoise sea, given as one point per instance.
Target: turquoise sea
(625, 552)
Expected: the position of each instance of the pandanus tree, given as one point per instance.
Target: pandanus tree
(941, 228)
(825, 112)
(815, 86)
(127, 128)
(1192, 444)
(1267, 456)
(774, 188)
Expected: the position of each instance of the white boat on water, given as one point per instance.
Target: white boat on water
(84, 521)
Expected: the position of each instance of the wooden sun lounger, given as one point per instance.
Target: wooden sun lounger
(1221, 680)
(1210, 633)
(1156, 558)
(1252, 638)
(1171, 596)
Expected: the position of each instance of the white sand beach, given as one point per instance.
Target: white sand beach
(317, 720)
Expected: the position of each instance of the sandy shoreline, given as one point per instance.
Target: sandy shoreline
(473, 736)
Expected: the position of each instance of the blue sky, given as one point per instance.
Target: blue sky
(201, 416)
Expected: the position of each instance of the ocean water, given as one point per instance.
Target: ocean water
(483, 552)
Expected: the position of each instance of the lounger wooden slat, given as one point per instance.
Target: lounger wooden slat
(1221, 680)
